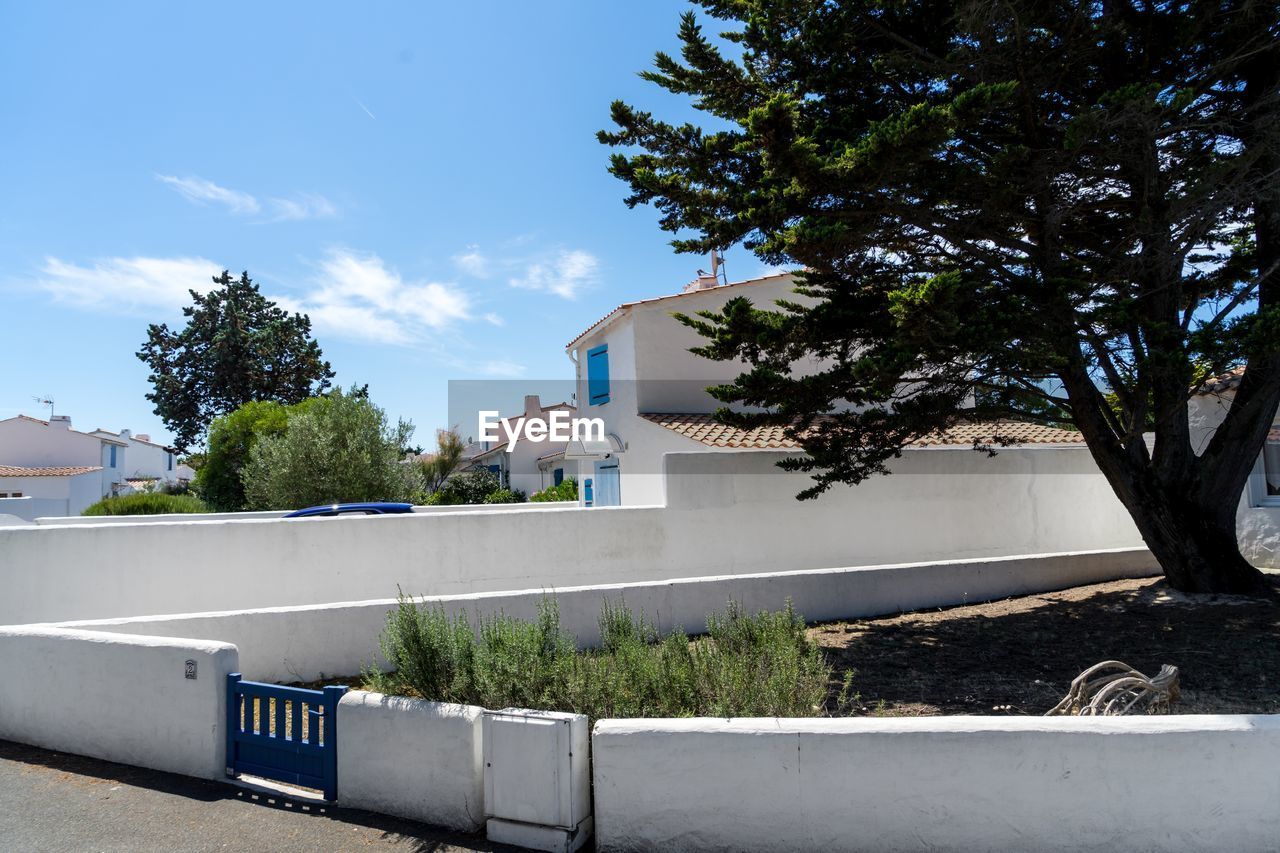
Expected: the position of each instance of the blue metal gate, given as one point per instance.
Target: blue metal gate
(283, 733)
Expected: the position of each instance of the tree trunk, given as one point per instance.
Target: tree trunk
(1196, 546)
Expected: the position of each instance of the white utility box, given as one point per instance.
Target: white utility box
(537, 779)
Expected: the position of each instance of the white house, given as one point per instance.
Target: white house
(528, 466)
(33, 492)
(27, 442)
(1258, 516)
(148, 462)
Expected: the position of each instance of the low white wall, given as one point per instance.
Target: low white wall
(307, 643)
(117, 696)
(29, 508)
(728, 513)
(1177, 783)
(410, 758)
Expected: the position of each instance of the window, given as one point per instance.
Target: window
(1271, 461)
(113, 456)
(598, 375)
(557, 477)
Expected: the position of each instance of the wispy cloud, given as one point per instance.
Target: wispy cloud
(500, 368)
(368, 111)
(124, 284)
(472, 262)
(566, 274)
(358, 297)
(201, 191)
(301, 206)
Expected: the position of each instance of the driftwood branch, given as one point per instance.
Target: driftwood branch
(1113, 688)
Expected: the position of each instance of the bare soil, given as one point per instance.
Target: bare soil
(1018, 656)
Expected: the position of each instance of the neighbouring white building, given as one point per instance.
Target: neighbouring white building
(34, 492)
(58, 470)
(149, 462)
(1258, 517)
(529, 466)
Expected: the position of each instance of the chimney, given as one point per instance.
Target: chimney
(124, 434)
(532, 406)
(63, 421)
(142, 436)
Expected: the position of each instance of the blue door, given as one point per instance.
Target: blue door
(608, 491)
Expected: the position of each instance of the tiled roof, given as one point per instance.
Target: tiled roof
(705, 429)
(625, 305)
(15, 471)
(1228, 381)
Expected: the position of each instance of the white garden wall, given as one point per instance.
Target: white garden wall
(727, 513)
(414, 759)
(117, 697)
(1175, 783)
(307, 643)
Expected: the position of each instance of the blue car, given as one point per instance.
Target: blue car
(351, 509)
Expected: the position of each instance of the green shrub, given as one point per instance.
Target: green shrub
(505, 496)
(469, 487)
(339, 448)
(566, 491)
(761, 665)
(147, 503)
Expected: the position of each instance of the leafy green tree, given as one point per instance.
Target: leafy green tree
(231, 438)
(238, 346)
(339, 449)
(1009, 209)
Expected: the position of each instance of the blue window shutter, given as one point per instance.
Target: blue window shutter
(113, 456)
(558, 477)
(598, 375)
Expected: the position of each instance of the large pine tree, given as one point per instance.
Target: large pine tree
(238, 346)
(1065, 212)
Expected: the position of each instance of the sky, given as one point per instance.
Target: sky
(422, 180)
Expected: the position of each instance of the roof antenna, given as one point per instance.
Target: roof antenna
(45, 401)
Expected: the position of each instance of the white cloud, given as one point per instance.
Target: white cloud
(494, 319)
(358, 297)
(301, 206)
(122, 284)
(200, 191)
(565, 275)
(472, 262)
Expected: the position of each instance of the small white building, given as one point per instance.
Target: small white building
(149, 461)
(528, 466)
(27, 442)
(31, 493)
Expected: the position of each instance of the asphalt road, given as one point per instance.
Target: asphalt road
(58, 802)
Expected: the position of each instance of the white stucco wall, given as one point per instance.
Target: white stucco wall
(118, 697)
(727, 513)
(309, 643)
(414, 759)
(1175, 783)
(28, 508)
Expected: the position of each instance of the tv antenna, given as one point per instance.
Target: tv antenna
(45, 401)
(717, 268)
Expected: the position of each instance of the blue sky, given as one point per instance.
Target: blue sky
(424, 181)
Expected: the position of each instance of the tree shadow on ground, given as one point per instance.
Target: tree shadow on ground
(1019, 656)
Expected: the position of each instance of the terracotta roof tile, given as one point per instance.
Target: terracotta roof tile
(705, 429)
(16, 471)
(1228, 381)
